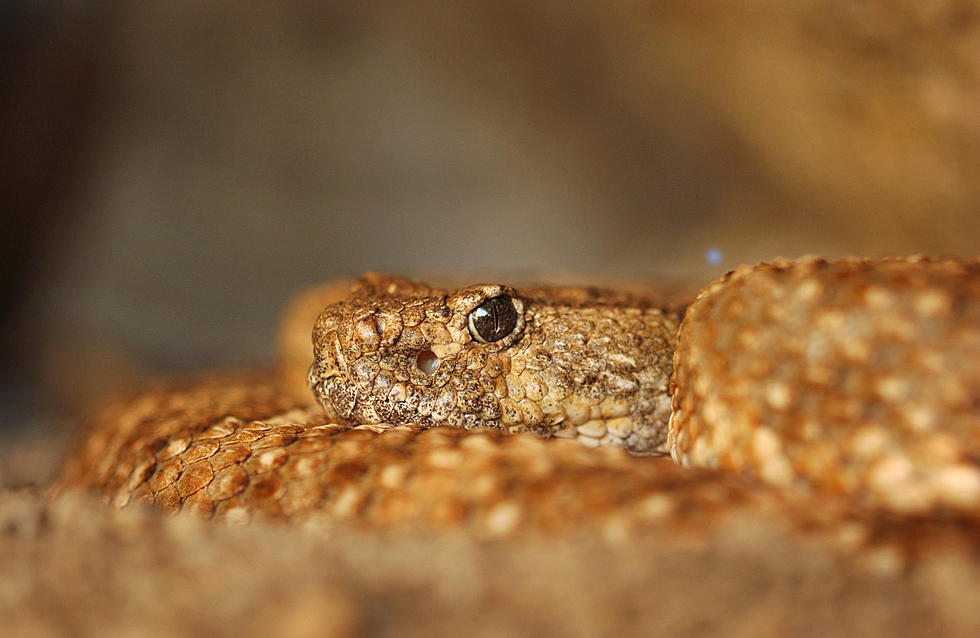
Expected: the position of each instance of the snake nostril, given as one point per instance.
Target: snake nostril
(427, 361)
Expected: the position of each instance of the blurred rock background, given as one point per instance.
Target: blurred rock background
(173, 171)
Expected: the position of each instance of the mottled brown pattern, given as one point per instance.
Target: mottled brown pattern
(581, 363)
(853, 376)
(295, 467)
(776, 349)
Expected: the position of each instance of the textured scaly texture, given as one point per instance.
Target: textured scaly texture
(850, 390)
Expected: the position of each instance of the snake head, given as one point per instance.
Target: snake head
(572, 362)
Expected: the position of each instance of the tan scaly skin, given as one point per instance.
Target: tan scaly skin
(579, 363)
(856, 381)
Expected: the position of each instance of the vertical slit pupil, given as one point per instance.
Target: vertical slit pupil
(494, 319)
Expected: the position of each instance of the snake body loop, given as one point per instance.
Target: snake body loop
(853, 382)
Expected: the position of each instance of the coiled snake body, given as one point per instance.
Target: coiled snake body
(833, 399)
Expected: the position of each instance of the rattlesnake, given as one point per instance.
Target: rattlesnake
(838, 400)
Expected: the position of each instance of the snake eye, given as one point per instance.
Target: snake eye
(493, 320)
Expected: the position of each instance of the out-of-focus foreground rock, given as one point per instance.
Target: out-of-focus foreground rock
(73, 567)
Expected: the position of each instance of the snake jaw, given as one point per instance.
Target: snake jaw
(342, 398)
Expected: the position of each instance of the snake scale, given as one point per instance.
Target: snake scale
(835, 399)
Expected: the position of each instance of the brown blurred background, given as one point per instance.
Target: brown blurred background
(173, 171)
